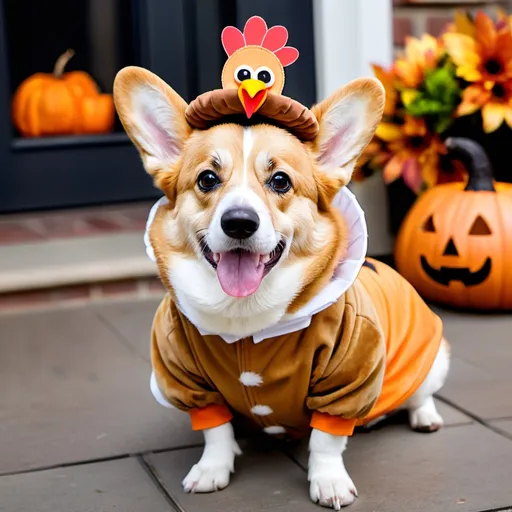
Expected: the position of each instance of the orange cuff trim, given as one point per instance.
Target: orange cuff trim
(334, 425)
(210, 416)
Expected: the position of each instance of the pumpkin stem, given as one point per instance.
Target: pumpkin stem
(62, 62)
(473, 156)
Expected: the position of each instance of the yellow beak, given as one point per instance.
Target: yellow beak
(252, 94)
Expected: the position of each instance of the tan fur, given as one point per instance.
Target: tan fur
(129, 79)
(370, 89)
(315, 232)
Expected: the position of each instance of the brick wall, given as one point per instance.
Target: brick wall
(415, 17)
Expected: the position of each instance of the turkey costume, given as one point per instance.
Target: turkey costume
(358, 350)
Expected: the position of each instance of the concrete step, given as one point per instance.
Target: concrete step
(72, 261)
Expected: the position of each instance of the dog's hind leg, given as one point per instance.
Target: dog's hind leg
(423, 415)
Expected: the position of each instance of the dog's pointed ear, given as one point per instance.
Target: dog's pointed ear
(153, 116)
(348, 120)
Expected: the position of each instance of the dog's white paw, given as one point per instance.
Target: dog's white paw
(425, 418)
(329, 483)
(213, 470)
(206, 478)
(333, 492)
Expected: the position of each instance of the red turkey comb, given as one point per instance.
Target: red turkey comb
(256, 33)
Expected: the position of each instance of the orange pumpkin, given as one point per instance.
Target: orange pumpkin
(455, 243)
(61, 103)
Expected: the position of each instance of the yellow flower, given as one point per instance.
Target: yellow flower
(408, 96)
(496, 104)
(421, 55)
(485, 59)
(462, 24)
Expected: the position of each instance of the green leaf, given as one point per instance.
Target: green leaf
(437, 97)
(442, 85)
(443, 124)
(424, 106)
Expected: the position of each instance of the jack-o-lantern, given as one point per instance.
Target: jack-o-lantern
(455, 243)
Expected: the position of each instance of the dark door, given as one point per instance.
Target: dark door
(177, 39)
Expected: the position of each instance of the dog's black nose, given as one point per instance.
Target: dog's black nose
(240, 222)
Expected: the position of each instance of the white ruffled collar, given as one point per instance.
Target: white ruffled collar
(344, 275)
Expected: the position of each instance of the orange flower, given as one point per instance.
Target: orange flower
(421, 55)
(415, 153)
(374, 157)
(496, 104)
(486, 57)
(387, 79)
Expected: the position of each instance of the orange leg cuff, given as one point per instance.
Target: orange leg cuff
(210, 416)
(334, 425)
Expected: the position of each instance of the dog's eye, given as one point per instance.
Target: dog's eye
(207, 181)
(280, 183)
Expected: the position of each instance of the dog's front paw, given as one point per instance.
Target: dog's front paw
(207, 478)
(213, 470)
(333, 492)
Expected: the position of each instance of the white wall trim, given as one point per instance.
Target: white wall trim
(350, 35)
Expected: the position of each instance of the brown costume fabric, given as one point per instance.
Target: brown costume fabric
(359, 359)
(335, 366)
(211, 107)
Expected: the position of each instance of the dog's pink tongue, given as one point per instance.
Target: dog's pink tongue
(240, 273)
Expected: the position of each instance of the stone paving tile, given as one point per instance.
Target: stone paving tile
(264, 480)
(482, 340)
(504, 425)
(477, 390)
(452, 416)
(461, 371)
(132, 320)
(72, 391)
(486, 400)
(459, 469)
(75, 387)
(481, 362)
(113, 486)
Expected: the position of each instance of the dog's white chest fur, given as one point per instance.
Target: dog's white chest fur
(262, 315)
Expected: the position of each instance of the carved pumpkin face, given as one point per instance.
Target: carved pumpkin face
(454, 246)
(446, 274)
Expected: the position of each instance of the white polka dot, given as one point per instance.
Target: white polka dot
(251, 379)
(261, 410)
(274, 429)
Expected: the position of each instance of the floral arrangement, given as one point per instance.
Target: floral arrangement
(434, 86)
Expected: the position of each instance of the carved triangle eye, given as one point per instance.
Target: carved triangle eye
(429, 225)
(480, 227)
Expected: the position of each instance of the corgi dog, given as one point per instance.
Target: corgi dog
(273, 314)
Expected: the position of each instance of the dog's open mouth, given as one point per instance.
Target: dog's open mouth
(240, 272)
